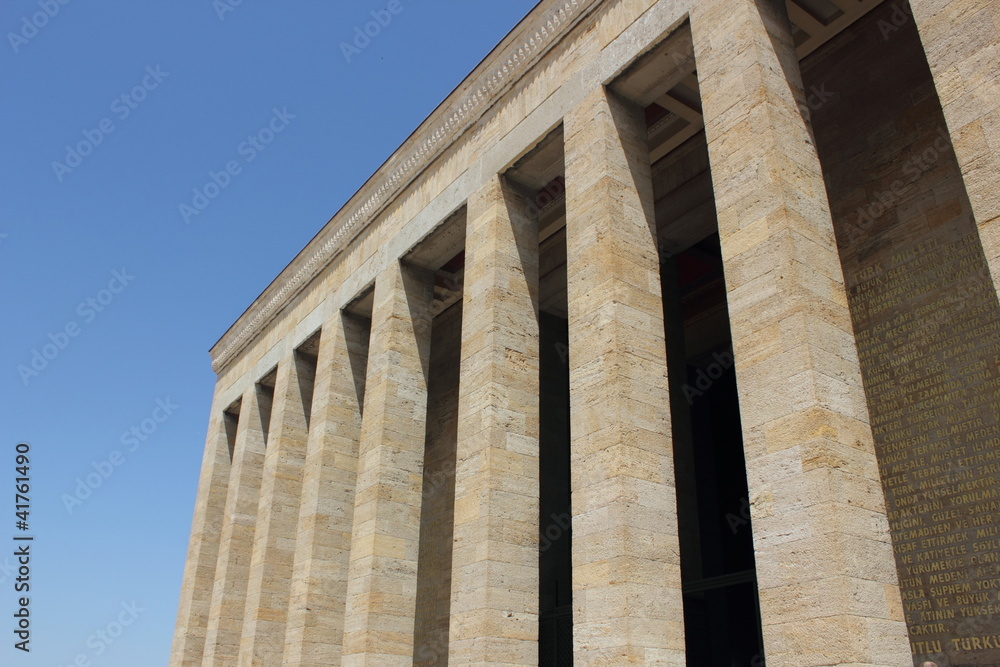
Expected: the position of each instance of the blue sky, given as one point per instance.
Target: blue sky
(114, 114)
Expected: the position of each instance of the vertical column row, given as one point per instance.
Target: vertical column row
(825, 569)
(382, 576)
(225, 620)
(270, 573)
(494, 610)
(962, 42)
(203, 549)
(289, 529)
(626, 564)
(314, 635)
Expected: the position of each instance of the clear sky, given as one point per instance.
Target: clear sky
(113, 113)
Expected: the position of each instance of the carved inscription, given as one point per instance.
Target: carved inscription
(928, 334)
(927, 324)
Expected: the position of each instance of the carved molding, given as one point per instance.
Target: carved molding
(533, 37)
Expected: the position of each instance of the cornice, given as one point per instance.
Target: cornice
(538, 32)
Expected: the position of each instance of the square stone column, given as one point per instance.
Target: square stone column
(825, 568)
(315, 631)
(203, 549)
(961, 39)
(494, 608)
(627, 605)
(382, 578)
(232, 572)
(269, 585)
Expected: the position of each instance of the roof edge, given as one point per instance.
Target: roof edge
(542, 28)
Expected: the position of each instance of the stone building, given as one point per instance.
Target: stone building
(671, 337)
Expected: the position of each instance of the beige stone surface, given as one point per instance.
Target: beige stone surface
(827, 583)
(828, 586)
(437, 514)
(626, 558)
(533, 101)
(382, 576)
(225, 620)
(203, 549)
(494, 609)
(962, 42)
(273, 552)
(315, 625)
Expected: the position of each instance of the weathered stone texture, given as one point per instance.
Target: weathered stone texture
(962, 41)
(382, 578)
(437, 513)
(407, 532)
(203, 549)
(494, 611)
(225, 620)
(925, 314)
(820, 535)
(315, 627)
(274, 538)
(626, 561)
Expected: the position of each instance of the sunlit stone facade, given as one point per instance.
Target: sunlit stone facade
(670, 338)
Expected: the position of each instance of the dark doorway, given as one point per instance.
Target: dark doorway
(721, 610)
(555, 623)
